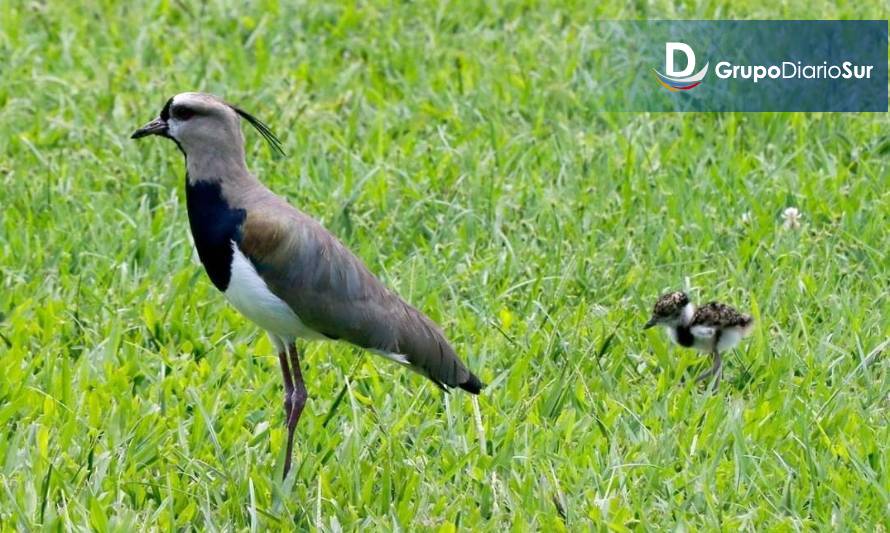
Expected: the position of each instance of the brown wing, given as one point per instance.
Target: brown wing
(716, 314)
(333, 292)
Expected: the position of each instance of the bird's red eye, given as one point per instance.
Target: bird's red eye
(182, 112)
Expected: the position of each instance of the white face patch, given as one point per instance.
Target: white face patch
(189, 99)
(176, 127)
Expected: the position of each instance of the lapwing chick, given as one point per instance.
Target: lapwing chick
(280, 268)
(712, 328)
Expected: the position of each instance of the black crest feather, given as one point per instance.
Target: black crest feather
(262, 128)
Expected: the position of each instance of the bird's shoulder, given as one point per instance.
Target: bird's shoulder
(273, 228)
(298, 257)
(718, 315)
(266, 228)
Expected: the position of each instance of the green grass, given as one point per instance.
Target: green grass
(452, 147)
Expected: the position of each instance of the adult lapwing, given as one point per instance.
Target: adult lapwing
(712, 328)
(282, 269)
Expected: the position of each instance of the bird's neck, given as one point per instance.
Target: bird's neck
(680, 331)
(216, 165)
(687, 314)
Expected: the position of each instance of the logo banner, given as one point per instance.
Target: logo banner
(698, 65)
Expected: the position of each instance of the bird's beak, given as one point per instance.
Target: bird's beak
(652, 321)
(157, 126)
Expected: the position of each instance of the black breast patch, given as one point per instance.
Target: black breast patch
(214, 226)
(684, 337)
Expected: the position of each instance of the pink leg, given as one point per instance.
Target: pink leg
(288, 383)
(295, 401)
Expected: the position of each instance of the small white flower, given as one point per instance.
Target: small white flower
(792, 216)
(746, 218)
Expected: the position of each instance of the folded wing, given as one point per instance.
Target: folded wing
(703, 332)
(715, 315)
(333, 293)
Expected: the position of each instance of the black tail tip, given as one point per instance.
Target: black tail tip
(472, 384)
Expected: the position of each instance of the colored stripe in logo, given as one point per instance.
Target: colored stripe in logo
(675, 86)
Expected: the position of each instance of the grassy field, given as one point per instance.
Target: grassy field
(451, 146)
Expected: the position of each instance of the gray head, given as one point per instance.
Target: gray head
(671, 309)
(206, 129)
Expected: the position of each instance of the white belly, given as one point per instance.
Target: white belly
(249, 294)
(729, 338)
(704, 337)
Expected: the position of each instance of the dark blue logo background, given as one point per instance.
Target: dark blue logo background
(751, 66)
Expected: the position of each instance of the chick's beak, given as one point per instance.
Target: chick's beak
(652, 321)
(157, 126)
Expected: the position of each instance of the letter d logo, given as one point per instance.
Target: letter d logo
(680, 80)
(669, 50)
